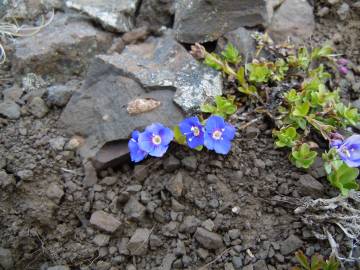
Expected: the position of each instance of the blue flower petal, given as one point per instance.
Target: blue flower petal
(209, 141)
(213, 123)
(145, 141)
(136, 154)
(229, 132)
(195, 141)
(222, 146)
(135, 135)
(154, 128)
(167, 135)
(159, 150)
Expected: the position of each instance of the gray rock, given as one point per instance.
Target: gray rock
(203, 253)
(101, 240)
(57, 143)
(260, 265)
(6, 260)
(38, 107)
(113, 15)
(293, 19)
(176, 206)
(25, 175)
(150, 70)
(6, 180)
(229, 266)
(237, 262)
(62, 49)
(234, 234)
(248, 267)
(175, 185)
(90, 178)
(189, 225)
(343, 11)
(10, 109)
(208, 240)
(155, 13)
(55, 192)
(208, 224)
(290, 245)
(134, 209)
(190, 163)
(180, 249)
(203, 21)
(138, 243)
(110, 155)
(242, 41)
(59, 95)
(104, 221)
(13, 93)
(171, 164)
(167, 262)
(59, 267)
(317, 169)
(309, 186)
(109, 180)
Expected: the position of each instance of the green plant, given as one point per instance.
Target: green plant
(302, 156)
(223, 106)
(315, 263)
(306, 105)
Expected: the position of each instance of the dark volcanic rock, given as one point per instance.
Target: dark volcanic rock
(61, 49)
(113, 15)
(204, 20)
(160, 69)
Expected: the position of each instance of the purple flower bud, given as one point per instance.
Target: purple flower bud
(343, 70)
(342, 62)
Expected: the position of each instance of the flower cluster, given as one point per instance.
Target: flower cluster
(215, 135)
(348, 149)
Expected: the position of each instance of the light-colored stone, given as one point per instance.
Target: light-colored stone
(104, 221)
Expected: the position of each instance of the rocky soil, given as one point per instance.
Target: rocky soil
(70, 198)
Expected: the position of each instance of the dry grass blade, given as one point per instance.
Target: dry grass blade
(11, 30)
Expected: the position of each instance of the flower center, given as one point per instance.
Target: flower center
(156, 139)
(196, 131)
(347, 151)
(217, 135)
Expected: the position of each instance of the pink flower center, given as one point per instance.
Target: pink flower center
(156, 139)
(196, 131)
(217, 135)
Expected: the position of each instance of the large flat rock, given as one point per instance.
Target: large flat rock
(113, 15)
(61, 49)
(207, 20)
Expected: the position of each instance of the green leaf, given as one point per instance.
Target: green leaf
(301, 109)
(344, 177)
(199, 148)
(208, 108)
(331, 264)
(258, 73)
(317, 262)
(214, 61)
(292, 96)
(303, 157)
(251, 90)
(286, 137)
(178, 136)
(303, 58)
(240, 76)
(301, 258)
(325, 51)
(231, 54)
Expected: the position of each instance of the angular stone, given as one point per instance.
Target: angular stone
(62, 49)
(6, 260)
(38, 107)
(175, 185)
(290, 245)
(293, 19)
(59, 267)
(138, 243)
(13, 93)
(6, 179)
(241, 39)
(134, 209)
(208, 240)
(55, 192)
(155, 13)
(309, 186)
(10, 109)
(113, 15)
(101, 240)
(189, 224)
(204, 20)
(90, 178)
(104, 221)
(59, 95)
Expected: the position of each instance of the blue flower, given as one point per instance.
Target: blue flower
(155, 139)
(136, 154)
(218, 135)
(193, 131)
(349, 151)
